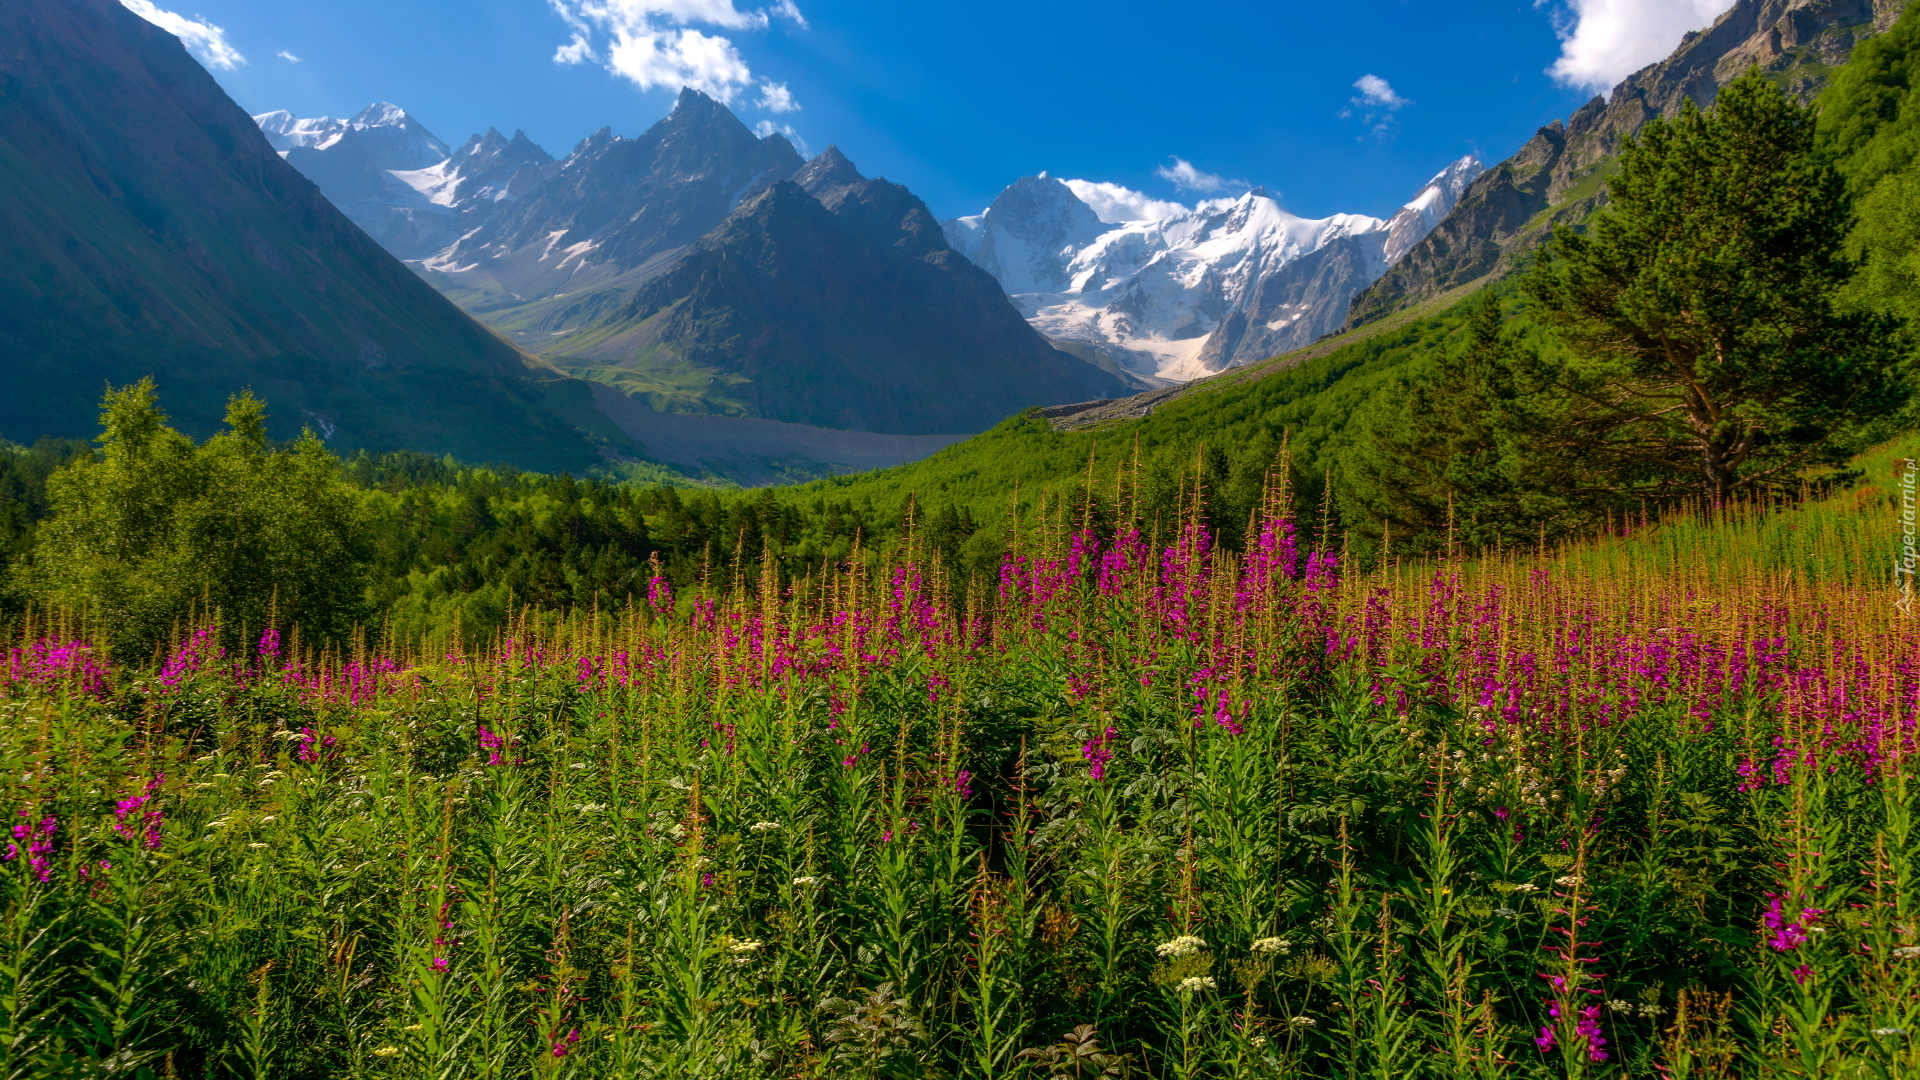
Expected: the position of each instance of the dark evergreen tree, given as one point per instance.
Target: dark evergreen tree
(1707, 352)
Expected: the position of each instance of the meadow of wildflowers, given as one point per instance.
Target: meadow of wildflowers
(1138, 808)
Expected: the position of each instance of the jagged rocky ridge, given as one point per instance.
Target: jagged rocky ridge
(1557, 177)
(1226, 283)
(399, 182)
(831, 299)
(665, 266)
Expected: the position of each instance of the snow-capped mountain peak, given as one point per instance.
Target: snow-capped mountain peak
(392, 138)
(284, 131)
(1029, 235)
(1189, 290)
(1418, 218)
(381, 114)
(397, 180)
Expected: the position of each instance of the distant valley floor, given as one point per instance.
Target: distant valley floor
(753, 451)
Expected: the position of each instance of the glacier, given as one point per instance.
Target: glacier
(1188, 291)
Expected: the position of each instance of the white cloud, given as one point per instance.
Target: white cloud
(654, 45)
(575, 51)
(787, 9)
(1376, 104)
(1604, 41)
(287, 56)
(776, 98)
(202, 38)
(1115, 204)
(766, 128)
(1184, 176)
(1377, 93)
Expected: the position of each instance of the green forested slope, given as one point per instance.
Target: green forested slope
(1870, 122)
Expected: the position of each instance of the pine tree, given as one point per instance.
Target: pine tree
(1459, 451)
(1706, 353)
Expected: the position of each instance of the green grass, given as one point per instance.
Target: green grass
(823, 828)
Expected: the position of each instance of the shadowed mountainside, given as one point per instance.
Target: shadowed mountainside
(147, 227)
(833, 300)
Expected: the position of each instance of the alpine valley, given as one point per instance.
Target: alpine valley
(589, 262)
(151, 228)
(700, 269)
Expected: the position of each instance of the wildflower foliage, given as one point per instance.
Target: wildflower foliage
(1136, 809)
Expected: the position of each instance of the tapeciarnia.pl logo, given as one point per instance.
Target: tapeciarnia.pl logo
(1904, 562)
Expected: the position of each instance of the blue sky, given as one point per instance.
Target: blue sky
(1345, 106)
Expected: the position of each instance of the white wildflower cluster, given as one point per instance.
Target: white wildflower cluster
(745, 946)
(1506, 912)
(763, 826)
(1907, 952)
(1185, 945)
(1536, 789)
(808, 880)
(1198, 982)
(1567, 880)
(1605, 783)
(1301, 1021)
(1889, 1031)
(1273, 945)
(1641, 1008)
(1526, 887)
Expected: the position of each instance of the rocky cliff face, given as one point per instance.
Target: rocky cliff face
(399, 182)
(834, 300)
(1558, 176)
(613, 207)
(147, 227)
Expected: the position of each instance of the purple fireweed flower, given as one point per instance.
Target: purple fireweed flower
(963, 784)
(1547, 1040)
(564, 1045)
(492, 743)
(35, 841)
(128, 815)
(1589, 1029)
(192, 655)
(312, 746)
(1218, 706)
(1786, 933)
(1801, 974)
(1097, 754)
(660, 596)
(48, 664)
